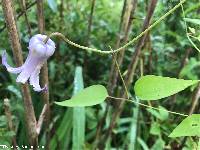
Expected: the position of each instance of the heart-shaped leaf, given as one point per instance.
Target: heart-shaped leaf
(190, 126)
(89, 96)
(152, 87)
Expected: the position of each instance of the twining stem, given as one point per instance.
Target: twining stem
(124, 46)
(148, 106)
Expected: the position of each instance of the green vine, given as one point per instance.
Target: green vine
(60, 35)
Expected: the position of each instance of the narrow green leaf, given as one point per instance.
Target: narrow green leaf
(78, 114)
(63, 131)
(152, 87)
(52, 5)
(134, 126)
(142, 143)
(194, 21)
(89, 96)
(190, 126)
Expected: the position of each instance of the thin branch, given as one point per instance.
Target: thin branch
(9, 118)
(120, 74)
(90, 22)
(195, 99)
(24, 9)
(41, 119)
(183, 63)
(17, 52)
(40, 16)
(19, 15)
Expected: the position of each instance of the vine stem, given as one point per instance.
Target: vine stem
(120, 74)
(148, 106)
(60, 35)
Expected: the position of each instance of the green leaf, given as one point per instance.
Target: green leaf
(63, 131)
(155, 128)
(52, 5)
(163, 113)
(158, 145)
(190, 126)
(193, 21)
(78, 141)
(89, 96)
(152, 87)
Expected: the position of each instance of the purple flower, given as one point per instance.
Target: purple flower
(39, 52)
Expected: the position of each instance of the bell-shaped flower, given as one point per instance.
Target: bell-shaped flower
(39, 52)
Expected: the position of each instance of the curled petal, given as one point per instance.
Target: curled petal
(8, 67)
(34, 80)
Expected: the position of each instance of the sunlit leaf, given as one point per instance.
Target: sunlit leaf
(158, 145)
(89, 96)
(190, 126)
(52, 5)
(155, 128)
(152, 87)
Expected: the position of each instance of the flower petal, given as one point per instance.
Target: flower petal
(29, 66)
(34, 80)
(8, 67)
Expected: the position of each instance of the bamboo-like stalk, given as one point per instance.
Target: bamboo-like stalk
(40, 16)
(183, 63)
(44, 71)
(89, 29)
(17, 52)
(125, 27)
(90, 22)
(109, 87)
(124, 30)
(131, 68)
(195, 98)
